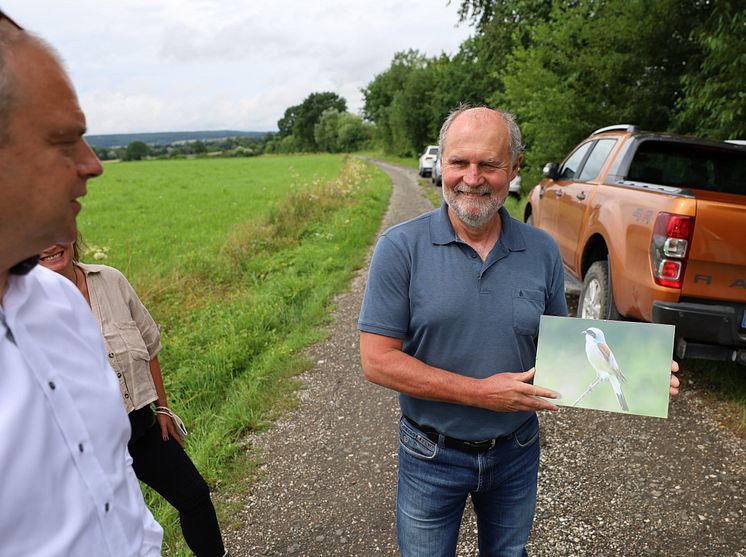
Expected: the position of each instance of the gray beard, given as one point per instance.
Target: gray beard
(476, 220)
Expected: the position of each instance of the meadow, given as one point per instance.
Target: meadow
(237, 260)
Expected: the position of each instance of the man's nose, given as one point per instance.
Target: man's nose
(473, 176)
(89, 166)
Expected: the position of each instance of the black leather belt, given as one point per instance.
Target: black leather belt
(453, 443)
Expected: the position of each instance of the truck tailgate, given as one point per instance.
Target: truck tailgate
(716, 268)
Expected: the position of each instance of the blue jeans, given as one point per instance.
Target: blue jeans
(434, 482)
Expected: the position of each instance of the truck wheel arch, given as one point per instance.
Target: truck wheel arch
(596, 299)
(595, 267)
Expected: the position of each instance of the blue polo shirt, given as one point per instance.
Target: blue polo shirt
(456, 312)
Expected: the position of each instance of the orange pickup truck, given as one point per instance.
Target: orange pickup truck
(652, 227)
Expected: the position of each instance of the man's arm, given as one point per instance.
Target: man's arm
(385, 364)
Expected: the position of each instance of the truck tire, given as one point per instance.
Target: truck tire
(596, 300)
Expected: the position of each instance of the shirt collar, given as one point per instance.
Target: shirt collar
(87, 269)
(442, 233)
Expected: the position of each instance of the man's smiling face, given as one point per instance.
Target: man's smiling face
(476, 167)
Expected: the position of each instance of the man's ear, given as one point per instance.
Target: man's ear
(516, 167)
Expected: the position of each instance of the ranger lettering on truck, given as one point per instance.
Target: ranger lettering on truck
(740, 283)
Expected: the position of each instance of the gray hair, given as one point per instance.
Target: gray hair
(515, 146)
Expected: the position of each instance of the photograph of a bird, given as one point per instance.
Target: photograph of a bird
(603, 361)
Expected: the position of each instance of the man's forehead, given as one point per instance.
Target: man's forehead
(483, 118)
(477, 130)
(31, 62)
(42, 82)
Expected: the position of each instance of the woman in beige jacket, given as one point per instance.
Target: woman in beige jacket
(132, 343)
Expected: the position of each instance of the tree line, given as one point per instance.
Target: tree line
(567, 67)
(136, 150)
(563, 67)
(320, 123)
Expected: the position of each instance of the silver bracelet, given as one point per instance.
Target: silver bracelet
(165, 410)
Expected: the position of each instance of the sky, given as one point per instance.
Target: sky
(184, 65)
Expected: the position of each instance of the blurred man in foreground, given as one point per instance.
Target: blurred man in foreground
(66, 483)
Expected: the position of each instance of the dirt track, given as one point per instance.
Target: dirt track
(609, 484)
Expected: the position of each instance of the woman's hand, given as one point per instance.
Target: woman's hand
(169, 429)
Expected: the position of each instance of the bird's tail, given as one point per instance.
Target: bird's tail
(619, 394)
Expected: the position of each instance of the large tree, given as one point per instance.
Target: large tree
(310, 112)
(341, 132)
(714, 104)
(300, 120)
(136, 150)
(287, 122)
(380, 93)
(326, 131)
(598, 62)
(567, 67)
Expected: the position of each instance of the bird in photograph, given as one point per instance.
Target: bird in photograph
(603, 361)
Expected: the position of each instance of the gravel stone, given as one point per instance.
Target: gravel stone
(610, 485)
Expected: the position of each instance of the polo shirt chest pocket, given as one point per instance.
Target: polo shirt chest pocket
(528, 307)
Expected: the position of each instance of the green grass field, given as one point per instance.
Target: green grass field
(237, 260)
(152, 216)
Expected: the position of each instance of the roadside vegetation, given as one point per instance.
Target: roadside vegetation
(238, 261)
(558, 66)
(380, 155)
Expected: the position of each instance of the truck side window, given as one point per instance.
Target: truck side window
(574, 162)
(596, 159)
(684, 165)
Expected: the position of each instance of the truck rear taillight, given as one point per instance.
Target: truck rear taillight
(669, 248)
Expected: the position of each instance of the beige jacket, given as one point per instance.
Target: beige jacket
(130, 334)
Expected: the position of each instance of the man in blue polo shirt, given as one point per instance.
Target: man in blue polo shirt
(449, 320)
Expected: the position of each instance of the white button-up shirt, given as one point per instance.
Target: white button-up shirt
(66, 482)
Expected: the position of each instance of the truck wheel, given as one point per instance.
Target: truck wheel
(595, 298)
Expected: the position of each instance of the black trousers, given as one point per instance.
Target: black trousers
(165, 467)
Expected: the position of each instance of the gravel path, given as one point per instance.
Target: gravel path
(609, 485)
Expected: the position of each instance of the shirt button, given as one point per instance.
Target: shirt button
(126, 395)
(473, 255)
(52, 385)
(111, 354)
(80, 447)
(106, 507)
(119, 374)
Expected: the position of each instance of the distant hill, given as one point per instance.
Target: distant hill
(164, 138)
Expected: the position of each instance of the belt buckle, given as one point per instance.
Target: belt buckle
(486, 445)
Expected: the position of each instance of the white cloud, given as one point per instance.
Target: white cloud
(159, 65)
